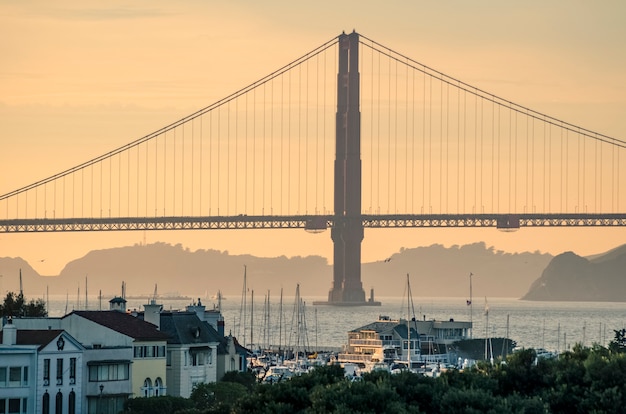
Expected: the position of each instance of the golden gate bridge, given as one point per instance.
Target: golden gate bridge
(351, 135)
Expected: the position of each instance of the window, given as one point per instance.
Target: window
(15, 405)
(59, 371)
(149, 351)
(158, 387)
(147, 387)
(45, 403)
(71, 403)
(58, 407)
(108, 372)
(46, 372)
(168, 359)
(72, 371)
(197, 358)
(15, 377)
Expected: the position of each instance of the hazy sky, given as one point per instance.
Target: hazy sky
(78, 79)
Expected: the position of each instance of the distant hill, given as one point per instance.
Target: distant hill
(438, 271)
(569, 277)
(435, 271)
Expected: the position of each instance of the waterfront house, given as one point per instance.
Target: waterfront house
(40, 371)
(191, 352)
(17, 367)
(123, 356)
(196, 335)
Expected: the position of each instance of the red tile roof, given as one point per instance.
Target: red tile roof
(124, 323)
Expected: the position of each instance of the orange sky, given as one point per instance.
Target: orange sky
(78, 79)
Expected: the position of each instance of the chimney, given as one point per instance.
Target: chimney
(199, 309)
(152, 313)
(9, 333)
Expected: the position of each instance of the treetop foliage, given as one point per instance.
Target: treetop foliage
(15, 305)
(581, 380)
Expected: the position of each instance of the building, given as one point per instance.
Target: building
(18, 364)
(387, 340)
(43, 371)
(123, 356)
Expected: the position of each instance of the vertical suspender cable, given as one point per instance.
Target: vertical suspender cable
(482, 132)
(282, 137)
(263, 148)
(289, 144)
(510, 156)
(413, 143)
(458, 151)
(406, 139)
(271, 150)
(182, 171)
(447, 186)
(147, 174)
(299, 137)
(227, 183)
(515, 164)
(395, 128)
(245, 180)
(430, 143)
(389, 138)
(236, 139)
(372, 133)
(306, 141)
(378, 136)
(156, 175)
(441, 189)
(493, 148)
(317, 131)
(474, 209)
(424, 142)
(218, 142)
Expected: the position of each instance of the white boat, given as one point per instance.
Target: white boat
(404, 343)
(277, 373)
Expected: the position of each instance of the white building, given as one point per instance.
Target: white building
(43, 371)
(123, 357)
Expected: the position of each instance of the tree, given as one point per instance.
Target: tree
(618, 344)
(15, 305)
(217, 397)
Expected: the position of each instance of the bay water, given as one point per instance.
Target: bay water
(555, 326)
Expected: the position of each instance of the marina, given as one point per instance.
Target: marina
(548, 325)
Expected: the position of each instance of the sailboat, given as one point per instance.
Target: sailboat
(412, 349)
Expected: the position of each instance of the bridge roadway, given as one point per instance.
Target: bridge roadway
(313, 223)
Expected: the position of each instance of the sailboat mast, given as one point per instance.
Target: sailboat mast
(252, 318)
(297, 304)
(86, 297)
(471, 303)
(408, 318)
(280, 321)
(267, 321)
(242, 315)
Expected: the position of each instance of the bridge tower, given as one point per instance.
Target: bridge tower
(347, 234)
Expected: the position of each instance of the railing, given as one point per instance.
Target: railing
(304, 222)
(366, 342)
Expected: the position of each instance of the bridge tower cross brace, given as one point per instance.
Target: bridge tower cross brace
(347, 234)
